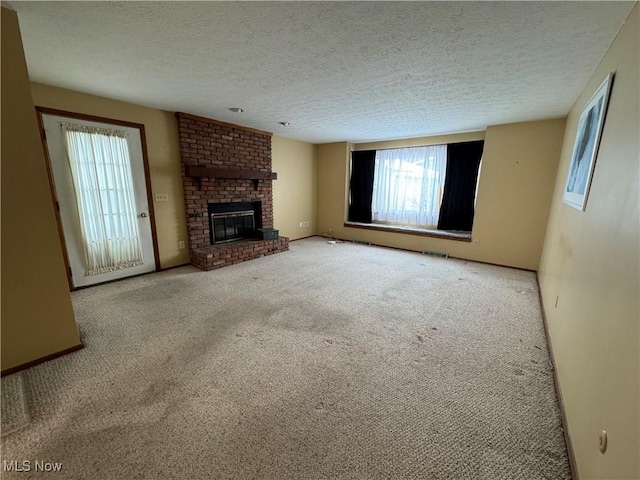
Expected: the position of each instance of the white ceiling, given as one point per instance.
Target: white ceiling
(356, 71)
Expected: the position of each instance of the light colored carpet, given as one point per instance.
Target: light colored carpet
(329, 361)
(14, 409)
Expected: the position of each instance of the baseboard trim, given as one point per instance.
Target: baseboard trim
(175, 266)
(303, 238)
(496, 264)
(38, 361)
(556, 381)
(416, 251)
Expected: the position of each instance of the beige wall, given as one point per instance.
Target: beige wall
(515, 190)
(332, 188)
(421, 141)
(591, 263)
(294, 192)
(514, 194)
(164, 158)
(37, 317)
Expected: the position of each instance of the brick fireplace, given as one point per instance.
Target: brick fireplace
(224, 166)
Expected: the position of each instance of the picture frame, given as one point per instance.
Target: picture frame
(585, 147)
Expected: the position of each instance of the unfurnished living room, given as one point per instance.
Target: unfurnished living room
(320, 240)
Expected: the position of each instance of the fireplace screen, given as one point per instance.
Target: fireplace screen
(232, 225)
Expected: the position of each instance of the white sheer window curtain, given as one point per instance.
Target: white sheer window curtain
(103, 184)
(408, 185)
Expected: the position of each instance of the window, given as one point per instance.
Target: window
(408, 186)
(432, 187)
(103, 184)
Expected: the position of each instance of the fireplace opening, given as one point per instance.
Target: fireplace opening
(233, 221)
(232, 226)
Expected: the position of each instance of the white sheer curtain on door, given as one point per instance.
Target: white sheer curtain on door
(408, 185)
(103, 184)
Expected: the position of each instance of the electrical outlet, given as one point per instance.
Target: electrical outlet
(181, 244)
(476, 243)
(162, 197)
(331, 230)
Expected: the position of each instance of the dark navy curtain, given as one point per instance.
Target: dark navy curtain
(362, 169)
(463, 163)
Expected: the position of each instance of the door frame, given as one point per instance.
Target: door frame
(147, 180)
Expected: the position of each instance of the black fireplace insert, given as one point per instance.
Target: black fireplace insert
(233, 221)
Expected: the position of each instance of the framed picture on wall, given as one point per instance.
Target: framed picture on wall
(585, 148)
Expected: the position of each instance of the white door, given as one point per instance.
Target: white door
(72, 226)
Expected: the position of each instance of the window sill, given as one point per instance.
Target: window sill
(444, 234)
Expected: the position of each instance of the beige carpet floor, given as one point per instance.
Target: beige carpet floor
(14, 409)
(328, 361)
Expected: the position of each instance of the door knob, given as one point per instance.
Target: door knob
(144, 214)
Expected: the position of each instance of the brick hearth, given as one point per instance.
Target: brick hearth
(216, 256)
(211, 144)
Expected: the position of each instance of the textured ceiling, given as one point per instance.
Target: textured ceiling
(356, 71)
